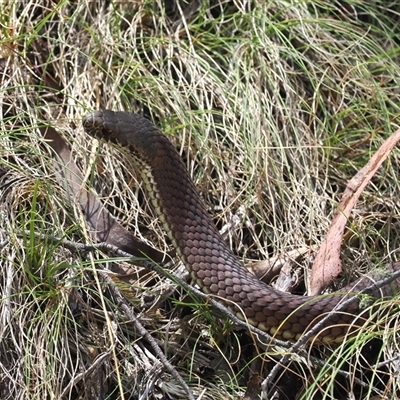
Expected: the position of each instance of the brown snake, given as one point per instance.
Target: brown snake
(211, 263)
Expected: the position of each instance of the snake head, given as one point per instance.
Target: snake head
(128, 131)
(101, 125)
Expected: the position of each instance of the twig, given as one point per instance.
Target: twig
(143, 331)
(97, 363)
(163, 271)
(306, 337)
(391, 360)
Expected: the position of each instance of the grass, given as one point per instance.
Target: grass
(273, 106)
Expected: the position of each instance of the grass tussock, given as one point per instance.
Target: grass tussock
(273, 105)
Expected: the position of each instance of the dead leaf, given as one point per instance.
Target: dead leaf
(327, 264)
(104, 227)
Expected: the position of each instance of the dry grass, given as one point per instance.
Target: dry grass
(273, 106)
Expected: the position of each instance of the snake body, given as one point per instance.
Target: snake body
(211, 263)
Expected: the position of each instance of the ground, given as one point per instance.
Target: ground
(274, 106)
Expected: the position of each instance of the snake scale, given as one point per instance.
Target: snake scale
(211, 263)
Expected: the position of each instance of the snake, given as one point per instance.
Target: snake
(199, 245)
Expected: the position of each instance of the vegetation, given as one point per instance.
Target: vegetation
(273, 105)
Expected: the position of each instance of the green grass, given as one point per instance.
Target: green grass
(273, 106)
